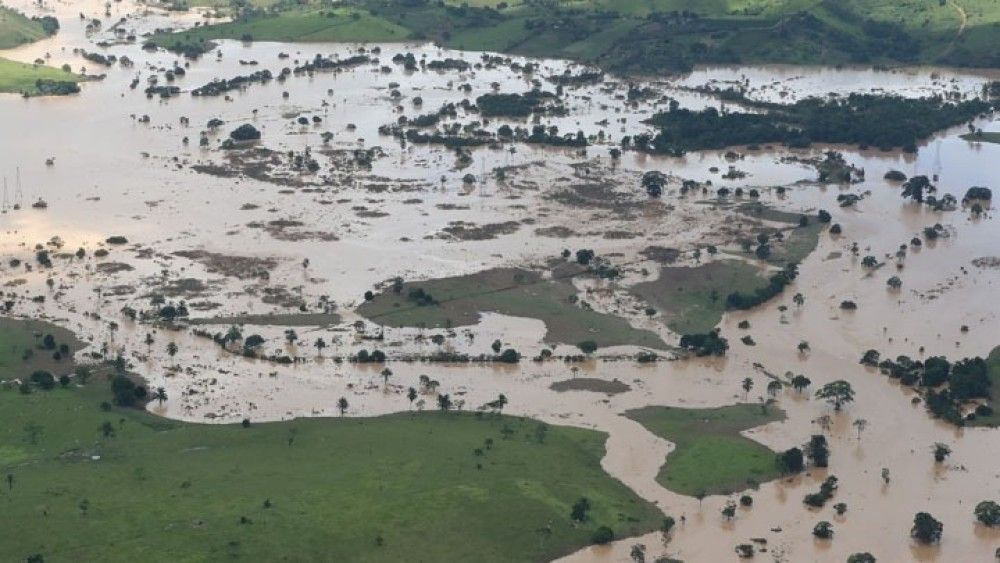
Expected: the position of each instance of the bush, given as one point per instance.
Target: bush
(926, 528)
(603, 535)
(988, 513)
(509, 356)
(823, 530)
(245, 132)
(43, 379)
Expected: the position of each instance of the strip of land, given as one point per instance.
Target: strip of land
(711, 456)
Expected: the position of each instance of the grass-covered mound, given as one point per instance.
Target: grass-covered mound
(459, 300)
(82, 483)
(657, 35)
(711, 456)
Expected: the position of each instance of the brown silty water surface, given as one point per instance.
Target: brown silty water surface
(113, 175)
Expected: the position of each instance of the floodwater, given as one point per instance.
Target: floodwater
(115, 175)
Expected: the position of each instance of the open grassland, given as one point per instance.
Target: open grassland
(84, 482)
(711, 456)
(693, 299)
(22, 78)
(653, 35)
(16, 29)
(17, 77)
(458, 301)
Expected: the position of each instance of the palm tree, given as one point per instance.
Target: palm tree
(860, 424)
(342, 405)
(501, 402)
(320, 344)
(747, 386)
(160, 395)
(411, 394)
(386, 374)
(172, 349)
(799, 299)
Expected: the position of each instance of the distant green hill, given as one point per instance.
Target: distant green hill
(17, 29)
(642, 35)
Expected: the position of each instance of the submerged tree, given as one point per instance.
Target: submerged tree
(837, 393)
(926, 528)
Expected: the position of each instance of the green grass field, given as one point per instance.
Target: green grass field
(21, 78)
(16, 29)
(711, 456)
(513, 292)
(656, 35)
(409, 487)
(693, 299)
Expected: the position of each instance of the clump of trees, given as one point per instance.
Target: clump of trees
(947, 386)
(705, 344)
(858, 119)
(245, 132)
(825, 493)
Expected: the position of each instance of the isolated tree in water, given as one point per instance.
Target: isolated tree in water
(747, 386)
(320, 344)
(342, 405)
(860, 424)
(837, 393)
(988, 513)
(800, 382)
(172, 349)
(926, 528)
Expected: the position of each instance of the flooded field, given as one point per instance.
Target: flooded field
(259, 237)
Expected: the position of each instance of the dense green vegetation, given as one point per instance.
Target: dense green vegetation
(963, 392)
(458, 301)
(884, 122)
(86, 482)
(646, 35)
(711, 456)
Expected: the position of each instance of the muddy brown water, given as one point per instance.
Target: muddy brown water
(103, 184)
